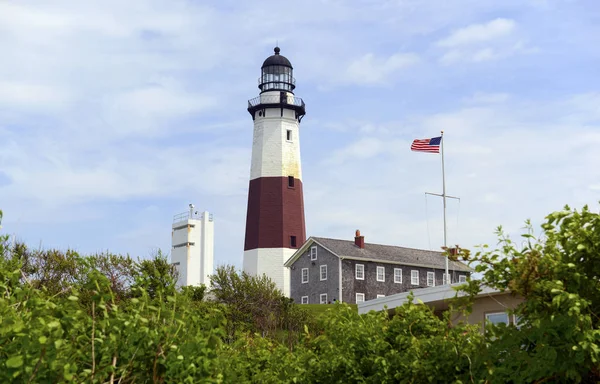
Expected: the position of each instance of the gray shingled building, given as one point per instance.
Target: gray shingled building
(368, 271)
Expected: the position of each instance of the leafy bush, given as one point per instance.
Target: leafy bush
(105, 318)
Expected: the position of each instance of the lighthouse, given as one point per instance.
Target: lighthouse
(275, 226)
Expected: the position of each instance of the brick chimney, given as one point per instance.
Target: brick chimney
(359, 240)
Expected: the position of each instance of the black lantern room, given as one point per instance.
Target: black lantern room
(276, 74)
(277, 77)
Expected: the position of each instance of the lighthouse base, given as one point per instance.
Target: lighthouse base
(270, 261)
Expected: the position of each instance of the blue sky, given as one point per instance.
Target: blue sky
(115, 115)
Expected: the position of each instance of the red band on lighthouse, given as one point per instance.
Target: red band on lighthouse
(275, 214)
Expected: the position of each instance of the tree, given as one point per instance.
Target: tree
(254, 303)
(156, 276)
(558, 275)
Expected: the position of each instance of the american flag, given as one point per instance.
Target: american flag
(427, 145)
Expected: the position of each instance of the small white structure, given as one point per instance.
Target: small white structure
(192, 247)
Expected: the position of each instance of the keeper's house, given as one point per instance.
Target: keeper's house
(326, 270)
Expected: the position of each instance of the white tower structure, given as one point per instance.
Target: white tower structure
(275, 226)
(192, 247)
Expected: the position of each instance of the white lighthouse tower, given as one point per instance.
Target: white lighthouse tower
(192, 247)
(275, 226)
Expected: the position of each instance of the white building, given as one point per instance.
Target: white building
(192, 247)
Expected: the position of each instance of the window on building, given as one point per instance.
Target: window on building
(293, 241)
(304, 275)
(304, 299)
(462, 279)
(323, 298)
(323, 272)
(517, 321)
(288, 135)
(313, 253)
(398, 275)
(430, 279)
(446, 278)
(380, 273)
(497, 317)
(414, 277)
(378, 296)
(360, 297)
(291, 181)
(360, 272)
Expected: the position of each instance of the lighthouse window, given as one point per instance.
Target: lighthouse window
(293, 241)
(291, 181)
(289, 135)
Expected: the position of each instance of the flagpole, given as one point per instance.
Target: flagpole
(444, 198)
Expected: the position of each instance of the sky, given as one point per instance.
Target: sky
(115, 115)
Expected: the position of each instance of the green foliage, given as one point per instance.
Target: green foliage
(559, 278)
(105, 318)
(157, 276)
(254, 304)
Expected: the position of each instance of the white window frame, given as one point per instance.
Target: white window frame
(362, 296)
(323, 298)
(413, 276)
(446, 278)
(487, 316)
(362, 269)
(515, 320)
(313, 253)
(304, 281)
(291, 135)
(382, 269)
(462, 278)
(321, 269)
(396, 274)
(304, 300)
(431, 275)
(379, 295)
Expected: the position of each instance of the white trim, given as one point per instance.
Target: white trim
(356, 271)
(432, 276)
(302, 299)
(362, 295)
(321, 301)
(396, 280)
(487, 315)
(380, 296)
(463, 268)
(340, 280)
(383, 274)
(445, 278)
(412, 277)
(425, 295)
(321, 272)
(313, 255)
(303, 281)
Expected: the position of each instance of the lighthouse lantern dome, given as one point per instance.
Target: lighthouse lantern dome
(276, 74)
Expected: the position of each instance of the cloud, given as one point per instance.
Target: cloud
(478, 43)
(103, 114)
(501, 160)
(479, 33)
(38, 96)
(369, 69)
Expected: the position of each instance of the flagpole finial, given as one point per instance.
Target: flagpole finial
(442, 132)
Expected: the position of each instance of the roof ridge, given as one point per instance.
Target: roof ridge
(383, 245)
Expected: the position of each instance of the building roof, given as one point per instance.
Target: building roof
(431, 296)
(382, 253)
(276, 59)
